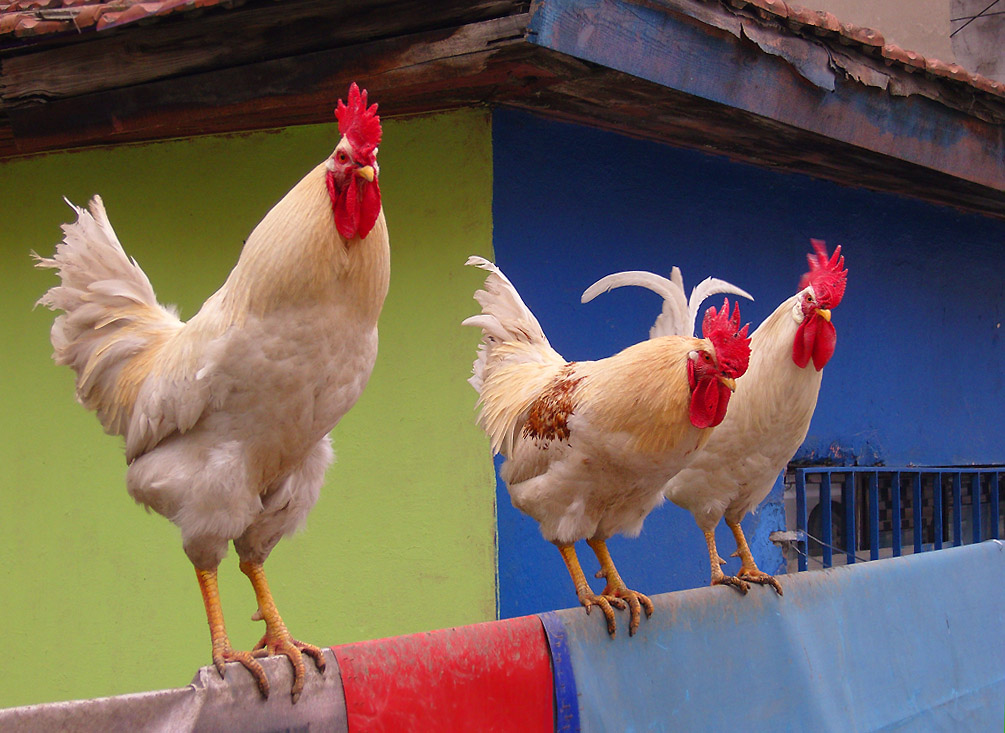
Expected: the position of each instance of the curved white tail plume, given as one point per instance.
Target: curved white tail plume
(679, 312)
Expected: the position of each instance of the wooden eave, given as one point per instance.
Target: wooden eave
(724, 77)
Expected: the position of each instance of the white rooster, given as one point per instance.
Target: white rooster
(769, 415)
(226, 417)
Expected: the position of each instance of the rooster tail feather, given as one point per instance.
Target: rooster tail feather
(660, 285)
(111, 321)
(706, 289)
(673, 320)
(501, 301)
(514, 362)
(679, 313)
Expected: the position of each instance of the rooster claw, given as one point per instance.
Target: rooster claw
(294, 651)
(761, 578)
(607, 604)
(636, 602)
(222, 656)
(733, 582)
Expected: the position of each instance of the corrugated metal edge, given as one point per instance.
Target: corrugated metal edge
(209, 703)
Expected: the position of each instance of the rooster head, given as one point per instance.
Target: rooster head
(352, 168)
(712, 376)
(822, 289)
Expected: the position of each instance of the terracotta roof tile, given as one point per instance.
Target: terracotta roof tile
(800, 16)
(771, 7)
(9, 21)
(32, 18)
(948, 71)
(133, 13)
(868, 40)
(937, 68)
(29, 26)
(88, 16)
(827, 22)
(852, 34)
(985, 84)
(911, 60)
(170, 6)
(958, 73)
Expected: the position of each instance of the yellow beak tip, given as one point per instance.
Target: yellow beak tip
(366, 172)
(730, 383)
(825, 314)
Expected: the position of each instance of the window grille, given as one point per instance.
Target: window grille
(840, 515)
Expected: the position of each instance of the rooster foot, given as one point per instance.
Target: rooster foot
(636, 602)
(754, 575)
(293, 650)
(731, 581)
(225, 654)
(606, 602)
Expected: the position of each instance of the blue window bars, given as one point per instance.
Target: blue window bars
(841, 511)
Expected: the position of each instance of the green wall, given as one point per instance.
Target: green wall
(96, 595)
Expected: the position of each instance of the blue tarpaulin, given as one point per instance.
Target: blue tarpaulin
(912, 643)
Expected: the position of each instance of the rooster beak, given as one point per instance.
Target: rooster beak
(824, 313)
(365, 172)
(730, 383)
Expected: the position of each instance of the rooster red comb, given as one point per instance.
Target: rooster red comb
(827, 276)
(732, 346)
(359, 123)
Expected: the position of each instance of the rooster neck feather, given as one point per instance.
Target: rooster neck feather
(644, 391)
(283, 265)
(775, 390)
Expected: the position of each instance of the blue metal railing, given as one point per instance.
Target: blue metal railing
(874, 500)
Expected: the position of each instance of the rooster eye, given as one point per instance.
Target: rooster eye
(341, 157)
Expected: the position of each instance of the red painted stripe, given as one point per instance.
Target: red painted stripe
(485, 677)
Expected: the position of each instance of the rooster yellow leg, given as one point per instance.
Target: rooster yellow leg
(222, 651)
(719, 577)
(277, 639)
(586, 595)
(748, 568)
(616, 586)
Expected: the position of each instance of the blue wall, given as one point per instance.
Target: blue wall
(917, 374)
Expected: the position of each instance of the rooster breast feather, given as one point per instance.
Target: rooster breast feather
(137, 364)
